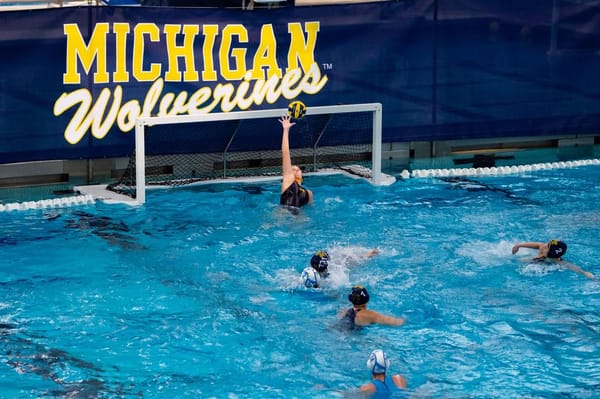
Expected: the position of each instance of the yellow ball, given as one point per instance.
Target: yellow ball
(297, 109)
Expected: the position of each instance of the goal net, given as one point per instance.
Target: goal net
(186, 149)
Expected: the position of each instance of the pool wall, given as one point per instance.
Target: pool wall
(456, 78)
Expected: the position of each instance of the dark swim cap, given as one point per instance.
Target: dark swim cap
(319, 261)
(556, 249)
(359, 295)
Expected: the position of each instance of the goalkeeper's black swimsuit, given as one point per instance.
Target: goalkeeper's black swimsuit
(295, 195)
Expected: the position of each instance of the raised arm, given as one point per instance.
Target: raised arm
(286, 160)
(532, 245)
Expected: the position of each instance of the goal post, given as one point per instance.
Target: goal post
(144, 123)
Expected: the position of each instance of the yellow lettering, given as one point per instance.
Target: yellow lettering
(121, 31)
(300, 49)
(264, 82)
(209, 74)
(237, 54)
(77, 49)
(139, 32)
(265, 56)
(186, 52)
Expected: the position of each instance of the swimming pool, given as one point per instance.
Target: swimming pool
(196, 294)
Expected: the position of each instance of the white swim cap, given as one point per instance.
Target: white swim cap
(310, 277)
(378, 362)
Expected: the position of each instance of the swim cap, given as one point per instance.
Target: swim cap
(359, 295)
(319, 261)
(556, 249)
(310, 277)
(378, 362)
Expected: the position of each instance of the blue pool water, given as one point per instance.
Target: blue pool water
(196, 294)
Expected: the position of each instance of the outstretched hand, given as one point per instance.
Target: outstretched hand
(372, 252)
(286, 121)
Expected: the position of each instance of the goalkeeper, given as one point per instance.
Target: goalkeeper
(292, 192)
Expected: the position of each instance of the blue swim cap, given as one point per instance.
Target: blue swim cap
(320, 261)
(556, 249)
(358, 295)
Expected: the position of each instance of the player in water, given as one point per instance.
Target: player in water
(292, 192)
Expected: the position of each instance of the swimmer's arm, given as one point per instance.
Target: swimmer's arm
(399, 380)
(368, 387)
(575, 268)
(532, 245)
(286, 160)
(371, 253)
(388, 320)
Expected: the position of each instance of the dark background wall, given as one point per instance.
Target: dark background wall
(452, 69)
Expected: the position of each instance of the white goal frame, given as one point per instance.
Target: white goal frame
(141, 123)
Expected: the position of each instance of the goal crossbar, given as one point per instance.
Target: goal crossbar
(143, 122)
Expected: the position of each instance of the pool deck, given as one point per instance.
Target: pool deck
(100, 192)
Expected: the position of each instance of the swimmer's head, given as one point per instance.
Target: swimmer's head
(556, 249)
(358, 295)
(378, 362)
(320, 261)
(297, 173)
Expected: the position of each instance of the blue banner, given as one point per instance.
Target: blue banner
(73, 80)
